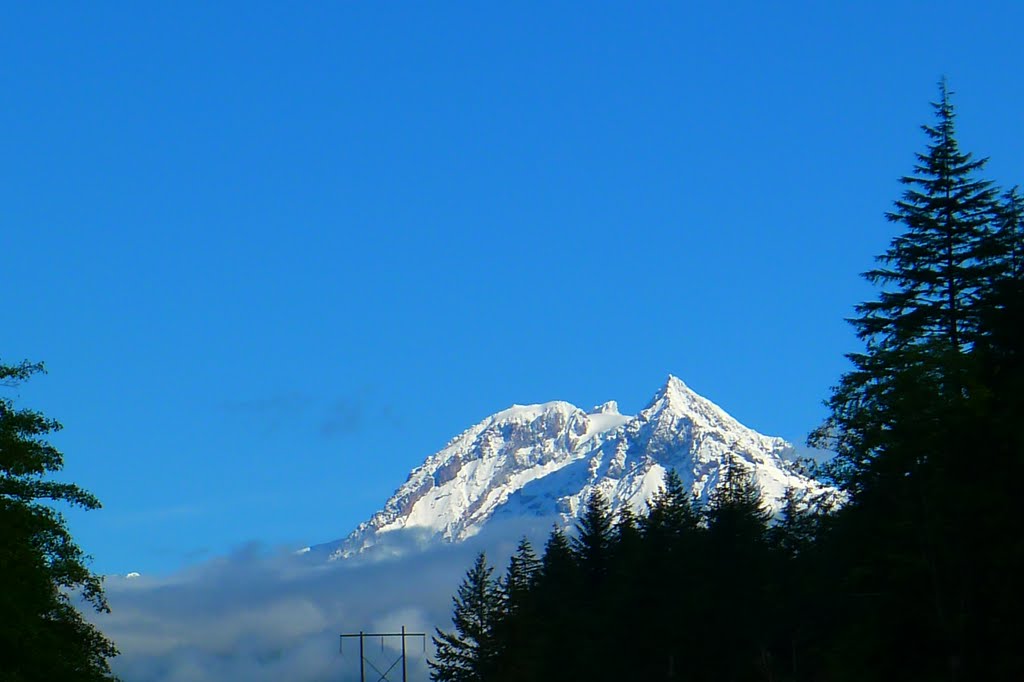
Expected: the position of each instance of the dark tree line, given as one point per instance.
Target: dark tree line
(917, 575)
(680, 592)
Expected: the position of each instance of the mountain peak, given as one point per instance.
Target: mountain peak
(676, 401)
(675, 385)
(609, 407)
(543, 461)
(675, 394)
(532, 411)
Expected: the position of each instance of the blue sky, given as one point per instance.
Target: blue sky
(275, 255)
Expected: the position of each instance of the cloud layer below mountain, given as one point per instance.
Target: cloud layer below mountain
(263, 615)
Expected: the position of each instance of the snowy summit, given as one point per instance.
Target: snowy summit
(544, 460)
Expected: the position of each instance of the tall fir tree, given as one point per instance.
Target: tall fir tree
(516, 655)
(672, 512)
(736, 507)
(592, 541)
(557, 566)
(559, 600)
(737, 522)
(989, 538)
(593, 546)
(1007, 252)
(673, 546)
(520, 576)
(937, 264)
(467, 654)
(912, 425)
(926, 317)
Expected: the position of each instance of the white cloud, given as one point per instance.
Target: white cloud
(262, 615)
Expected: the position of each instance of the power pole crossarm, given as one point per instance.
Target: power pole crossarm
(363, 661)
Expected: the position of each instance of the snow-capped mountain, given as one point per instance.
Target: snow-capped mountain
(545, 460)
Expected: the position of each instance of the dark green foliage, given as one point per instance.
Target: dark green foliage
(591, 544)
(1005, 249)
(673, 512)
(468, 653)
(639, 598)
(674, 544)
(737, 547)
(521, 576)
(42, 635)
(512, 633)
(932, 272)
(924, 443)
(918, 333)
(736, 513)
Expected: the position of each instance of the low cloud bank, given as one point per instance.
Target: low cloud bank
(262, 615)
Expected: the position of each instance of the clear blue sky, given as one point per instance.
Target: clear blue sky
(275, 254)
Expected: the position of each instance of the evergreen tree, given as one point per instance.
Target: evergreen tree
(626, 538)
(593, 548)
(741, 570)
(912, 424)
(987, 541)
(795, 525)
(624, 589)
(672, 512)
(591, 545)
(467, 654)
(799, 602)
(42, 635)
(520, 577)
(937, 264)
(558, 564)
(559, 601)
(1007, 252)
(672, 547)
(1005, 258)
(927, 315)
(516, 656)
(736, 509)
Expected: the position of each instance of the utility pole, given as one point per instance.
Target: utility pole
(364, 661)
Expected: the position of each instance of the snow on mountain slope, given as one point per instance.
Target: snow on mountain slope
(686, 432)
(546, 459)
